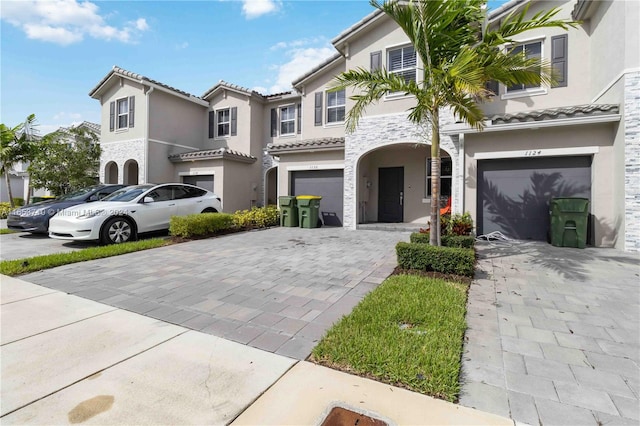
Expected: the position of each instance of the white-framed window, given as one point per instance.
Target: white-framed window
(531, 49)
(336, 102)
(223, 127)
(446, 177)
(287, 120)
(122, 120)
(402, 61)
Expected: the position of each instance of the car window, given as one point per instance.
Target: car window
(78, 195)
(106, 191)
(180, 192)
(128, 193)
(194, 192)
(161, 194)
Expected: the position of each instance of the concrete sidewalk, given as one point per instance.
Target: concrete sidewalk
(70, 360)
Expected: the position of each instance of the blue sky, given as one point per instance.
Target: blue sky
(53, 52)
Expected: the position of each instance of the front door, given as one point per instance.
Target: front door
(391, 194)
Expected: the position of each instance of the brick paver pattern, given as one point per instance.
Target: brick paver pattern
(553, 335)
(278, 289)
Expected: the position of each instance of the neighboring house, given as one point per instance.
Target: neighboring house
(578, 138)
(19, 175)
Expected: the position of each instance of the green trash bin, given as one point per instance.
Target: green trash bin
(569, 218)
(288, 211)
(309, 210)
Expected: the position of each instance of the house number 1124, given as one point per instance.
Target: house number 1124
(533, 153)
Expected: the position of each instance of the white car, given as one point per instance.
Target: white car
(130, 211)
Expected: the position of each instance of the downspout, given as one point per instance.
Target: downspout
(146, 138)
(461, 173)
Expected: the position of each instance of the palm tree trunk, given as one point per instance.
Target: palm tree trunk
(8, 180)
(434, 236)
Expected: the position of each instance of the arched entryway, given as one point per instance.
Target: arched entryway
(111, 172)
(271, 187)
(131, 172)
(394, 185)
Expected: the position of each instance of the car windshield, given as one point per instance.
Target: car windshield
(127, 194)
(79, 194)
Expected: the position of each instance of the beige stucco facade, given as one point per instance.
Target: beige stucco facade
(590, 117)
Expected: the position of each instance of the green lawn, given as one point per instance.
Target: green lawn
(37, 263)
(408, 332)
(4, 231)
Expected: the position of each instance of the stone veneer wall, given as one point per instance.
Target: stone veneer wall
(632, 161)
(120, 152)
(267, 162)
(383, 130)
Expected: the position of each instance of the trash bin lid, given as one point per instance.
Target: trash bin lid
(309, 197)
(571, 204)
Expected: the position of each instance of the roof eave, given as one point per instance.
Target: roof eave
(456, 129)
(320, 68)
(352, 31)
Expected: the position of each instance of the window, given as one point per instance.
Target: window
(123, 113)
(287, 120)
(335, 106)
(531, 50)
(403, 62)
(446, 174)
(224, 122)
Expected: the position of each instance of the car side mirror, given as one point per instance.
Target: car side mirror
(94, 197)
(148, 200)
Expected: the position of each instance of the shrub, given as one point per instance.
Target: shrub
(447, 260)
(460, 224)
(460, 241)
(5, 208)
(199, 224)
(18, 202)
(257, 217)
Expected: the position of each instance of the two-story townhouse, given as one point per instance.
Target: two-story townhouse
(578, 137)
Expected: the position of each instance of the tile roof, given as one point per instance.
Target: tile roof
(355, 27)
(212, 154)
(306, 145)
(556, 113)
(242, 89)
(121, 71)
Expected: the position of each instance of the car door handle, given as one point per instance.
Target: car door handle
(199, 201)
(172, 204)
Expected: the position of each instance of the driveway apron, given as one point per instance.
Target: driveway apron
(553, 335)
(278, 290)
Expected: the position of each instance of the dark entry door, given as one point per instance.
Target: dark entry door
(391, 194)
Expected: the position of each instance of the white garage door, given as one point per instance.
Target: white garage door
(203, 181)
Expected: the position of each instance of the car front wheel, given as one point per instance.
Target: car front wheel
(117, 230)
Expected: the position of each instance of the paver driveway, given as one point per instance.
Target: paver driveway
(553, 335)
(278, 289)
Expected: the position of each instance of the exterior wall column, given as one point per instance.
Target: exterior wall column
(632, 161)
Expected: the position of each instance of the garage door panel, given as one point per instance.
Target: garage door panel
(514, 194)
(203, 181)
(329, 184)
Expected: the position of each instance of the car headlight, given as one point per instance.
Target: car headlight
(89, 214)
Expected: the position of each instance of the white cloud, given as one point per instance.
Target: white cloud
(298, 43)
(67, 21)
(301, 60)
(182, 45)
(256, 8)
(67, 115)
(260, 89)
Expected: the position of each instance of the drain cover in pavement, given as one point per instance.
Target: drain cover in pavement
(339, 416)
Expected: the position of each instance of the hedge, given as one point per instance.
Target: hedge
(200, 224)
(257, 217)
(460, 241)
(447, 260)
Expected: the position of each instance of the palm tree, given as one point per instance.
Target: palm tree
(15, 146)
(458, 59)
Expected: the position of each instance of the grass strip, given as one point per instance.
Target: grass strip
(38, 263)
(4, 231)
(408, 332)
